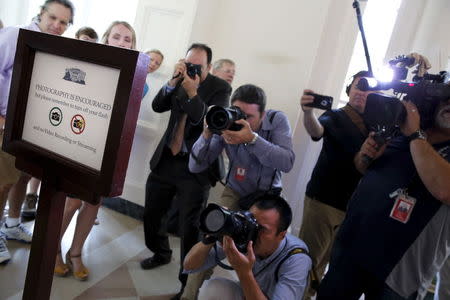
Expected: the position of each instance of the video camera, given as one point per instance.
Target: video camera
(384, 114)
(220, 118)
(241, 226)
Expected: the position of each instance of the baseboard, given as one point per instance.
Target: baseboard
(125, 207)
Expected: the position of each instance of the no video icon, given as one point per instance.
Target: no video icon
(77, 124)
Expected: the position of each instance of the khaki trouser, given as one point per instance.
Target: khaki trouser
(8, 172)
(229, 199)
(318, 230)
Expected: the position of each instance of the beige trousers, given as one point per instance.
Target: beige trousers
(319, 227)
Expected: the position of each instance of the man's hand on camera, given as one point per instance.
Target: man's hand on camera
(190, 85)
(207, 134)
(245, 135)
(179, 69)
(412, 120)
(307, 99)
(370, 148)
(242, 263)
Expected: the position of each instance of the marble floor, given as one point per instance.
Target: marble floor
(112, 253)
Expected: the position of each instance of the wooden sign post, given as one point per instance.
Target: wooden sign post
(72, 113)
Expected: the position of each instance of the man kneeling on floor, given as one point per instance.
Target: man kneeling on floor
(275, 265)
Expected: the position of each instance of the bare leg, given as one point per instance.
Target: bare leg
(17, 195)
(4, 189)
(85, 221)
(72, 204)
(34, 186)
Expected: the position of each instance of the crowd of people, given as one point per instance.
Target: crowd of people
(377, 215)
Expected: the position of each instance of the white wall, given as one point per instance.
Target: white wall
(284, 49)
(422, 27)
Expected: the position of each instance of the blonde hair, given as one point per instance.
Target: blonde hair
(155, 51)
(115, 23)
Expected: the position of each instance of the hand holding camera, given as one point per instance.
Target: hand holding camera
(244, 135)
(371, 148)
(190, 84)
(179, 69)
(241, 263)
(310, 100)
(412, 120)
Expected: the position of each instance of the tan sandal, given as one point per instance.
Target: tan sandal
(81, 275)
(61, 270)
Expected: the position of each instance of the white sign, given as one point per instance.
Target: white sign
(69, 107)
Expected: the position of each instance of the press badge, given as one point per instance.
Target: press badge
(240, 174)
(403, 206)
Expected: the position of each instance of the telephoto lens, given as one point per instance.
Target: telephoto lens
(241, 226)
(220, 118)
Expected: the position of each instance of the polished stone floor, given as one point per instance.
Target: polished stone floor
(112, 253)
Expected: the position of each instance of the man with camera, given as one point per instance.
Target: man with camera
(258, 152)
(275, 265)
(334, 177)
(187, 95)
(396, 233)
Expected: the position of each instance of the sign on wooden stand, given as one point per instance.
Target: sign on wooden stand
(72, 113)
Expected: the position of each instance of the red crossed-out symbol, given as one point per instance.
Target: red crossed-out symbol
(77, 124)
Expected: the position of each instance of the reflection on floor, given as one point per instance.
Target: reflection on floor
(112, 253)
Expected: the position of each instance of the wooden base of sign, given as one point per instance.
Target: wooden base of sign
(47, 228)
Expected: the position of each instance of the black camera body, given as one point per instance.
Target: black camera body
(221, 118)
(241, 226)
(320, 101)
(193, 69)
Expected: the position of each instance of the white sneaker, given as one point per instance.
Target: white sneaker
(19, 233)
(4, 253)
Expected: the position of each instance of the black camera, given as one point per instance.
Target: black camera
(383, 112)
(56, 116)
(193, 69)
(220, 118)
(320, 101)
(241, 226)
(78, 124)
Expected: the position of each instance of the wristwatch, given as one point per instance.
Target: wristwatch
(255, 137)
(419, 134)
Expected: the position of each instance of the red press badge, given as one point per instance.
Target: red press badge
(240, 174)
(403, 207)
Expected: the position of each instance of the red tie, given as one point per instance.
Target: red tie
(177, 140)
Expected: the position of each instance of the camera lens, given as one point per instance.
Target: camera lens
(215, 220)
(219, 119)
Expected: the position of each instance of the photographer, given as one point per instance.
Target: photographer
(334, 177)
(396, 233)
(270, 269)
(258, 153)
(187, 95)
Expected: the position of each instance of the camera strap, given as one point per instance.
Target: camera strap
(356, 119)
(218, 262)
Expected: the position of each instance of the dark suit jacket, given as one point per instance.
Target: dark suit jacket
(212, 91)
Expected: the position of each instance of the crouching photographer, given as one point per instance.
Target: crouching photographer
(396, 232)
(259, 146)
(269, 262)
